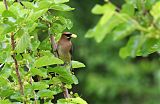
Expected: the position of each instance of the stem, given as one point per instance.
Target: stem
(35, 96)
(16, 65)
(65, 93)
(14, 57)
(5, 3)
(54, 45)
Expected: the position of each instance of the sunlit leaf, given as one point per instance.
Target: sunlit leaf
(61, 7)
(39, 85)
(155, 11)
(60, 1)
(23, 43)
(45, 93)
(102, 9)
(77, 100)
(47, 60)
(76, 64)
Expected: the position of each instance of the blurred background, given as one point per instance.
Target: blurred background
(107, 78)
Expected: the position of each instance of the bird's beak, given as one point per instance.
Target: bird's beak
(73, 36)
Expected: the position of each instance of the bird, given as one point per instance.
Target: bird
(64, 52)
(65, 48)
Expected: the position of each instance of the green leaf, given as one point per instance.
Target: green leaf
(44, 4)
(150, 45)
(76, 100)
(3, 81)
(47, 60)
(76, 64)
(61, 7)
(23, 43)
(8, 13)
(75, 80)
(6, 71)
(33, 16)
(39, 85)
(57, 28)
(149, 3)
(100, 31)
(34, 43)
(2, 7)
(64, 75)
(123, 30)
(67, 22)
(6, 92)
(56, 89)
(60, 1)
(5, 101)
(28, 4)
(155, 11)
(128, 9)
(98, 9)
(132, 47)
(45, 93)
(41, 72)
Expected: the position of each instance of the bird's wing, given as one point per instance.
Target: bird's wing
(71, 51)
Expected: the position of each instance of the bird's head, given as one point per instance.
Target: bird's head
(68, 35)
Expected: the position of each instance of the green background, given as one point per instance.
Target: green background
(107, 78)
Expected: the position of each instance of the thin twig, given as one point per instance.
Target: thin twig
(5, 3)
(14, 57)
(16, 65)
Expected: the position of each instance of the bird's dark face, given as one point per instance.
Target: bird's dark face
(69, 35)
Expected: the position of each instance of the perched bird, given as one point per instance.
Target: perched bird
(64, 47)
(64, 51)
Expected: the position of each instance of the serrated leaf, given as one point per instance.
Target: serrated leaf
(61, 7)
(23, 43)
(47, 60)
(39, 85)
(76, 64)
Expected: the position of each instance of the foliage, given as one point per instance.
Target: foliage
(138, 20)
(29, 72)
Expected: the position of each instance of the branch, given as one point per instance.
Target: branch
(16, 65)
(5, 3)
